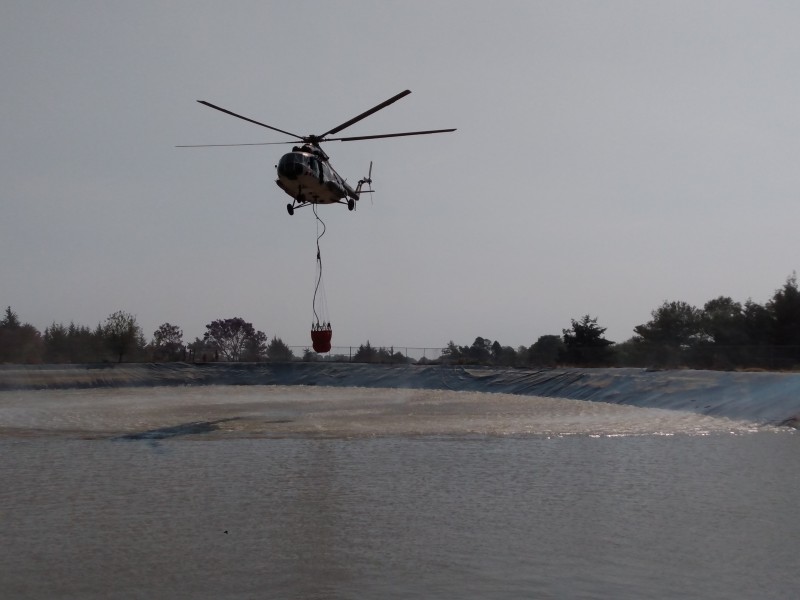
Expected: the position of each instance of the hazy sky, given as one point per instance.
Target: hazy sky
(609, 156)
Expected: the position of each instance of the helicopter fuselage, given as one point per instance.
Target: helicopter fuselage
(306, 176)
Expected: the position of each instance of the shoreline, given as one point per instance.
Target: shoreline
(765, 397)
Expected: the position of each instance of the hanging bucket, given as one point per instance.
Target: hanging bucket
(321, 339)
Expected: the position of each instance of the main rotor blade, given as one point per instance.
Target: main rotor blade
(366, 114)
(222, 145)
(387, 135)
(233, 114)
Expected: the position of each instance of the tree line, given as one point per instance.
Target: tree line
(723, 334)
(120, 339)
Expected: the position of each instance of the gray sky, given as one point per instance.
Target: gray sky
(609, 156)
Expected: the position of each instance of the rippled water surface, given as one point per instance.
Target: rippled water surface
(320, 493)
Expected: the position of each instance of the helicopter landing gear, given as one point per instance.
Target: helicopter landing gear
(351, 204)
(290, 209)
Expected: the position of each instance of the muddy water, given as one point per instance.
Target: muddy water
(271, 492)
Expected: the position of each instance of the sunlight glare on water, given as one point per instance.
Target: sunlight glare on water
(250, 411)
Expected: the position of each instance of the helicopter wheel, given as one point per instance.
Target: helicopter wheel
(351, 204)
(290, 209)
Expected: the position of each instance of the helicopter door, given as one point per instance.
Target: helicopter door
(327, 174)
(317, 168)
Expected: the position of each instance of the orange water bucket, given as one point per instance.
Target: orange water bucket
(321, 339)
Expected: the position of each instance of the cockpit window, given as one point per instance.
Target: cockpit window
(291, 165)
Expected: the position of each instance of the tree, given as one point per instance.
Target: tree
(365, 353)
(168, 342)
(278, 351)
(122, 334)
(675, 328)
(201, 350)
(722, 322)
(56, 344)
(504, 356)
(234, 339)
(19, 342)
(673, 323)
(584, 343)
(255, 348)
(497, 352)
(9, 332)
(481, 350)
(86, 345)
(73, 344)
(723, 337)
(757, 323)
(383, 356)
(546, 351)
(10, 320)
(452, 353)
(785, 311)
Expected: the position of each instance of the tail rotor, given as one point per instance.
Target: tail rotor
(368, 181)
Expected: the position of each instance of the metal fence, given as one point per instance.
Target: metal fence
(347, 353)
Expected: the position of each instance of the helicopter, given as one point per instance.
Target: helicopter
(305, 173)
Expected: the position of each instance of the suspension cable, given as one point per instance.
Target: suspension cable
(319, 268)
